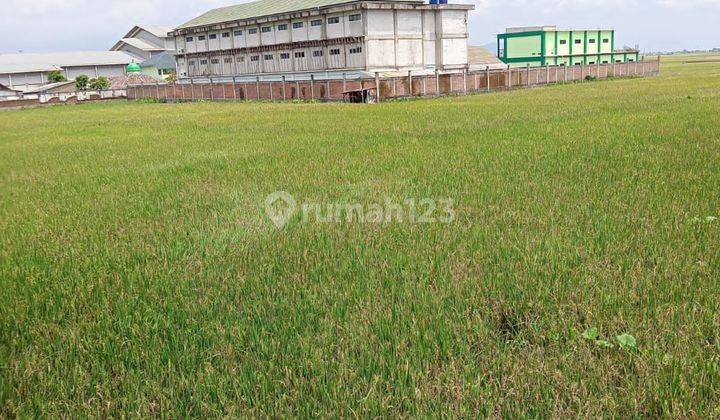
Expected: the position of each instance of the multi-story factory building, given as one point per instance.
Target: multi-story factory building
(546, 45)
(301, 36)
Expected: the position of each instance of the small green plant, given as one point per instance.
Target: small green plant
(627, 342)
(591, 333)
(81, 82)
(55, 77)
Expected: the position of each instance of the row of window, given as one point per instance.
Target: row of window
(593, 62)
(283, 56)
(279, 27)
(580, 41)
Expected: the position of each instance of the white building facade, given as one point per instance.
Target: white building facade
(296, 36)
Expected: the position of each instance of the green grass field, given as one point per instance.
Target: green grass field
(139, 274)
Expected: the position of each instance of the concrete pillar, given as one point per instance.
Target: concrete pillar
(410, 83)
(527, 70)
(487, 78)
(312, 87)
(547, 74)
(377, 86)
(437, 82)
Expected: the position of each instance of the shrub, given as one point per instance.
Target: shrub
(55, 76)
(81, 82)
(101, 83)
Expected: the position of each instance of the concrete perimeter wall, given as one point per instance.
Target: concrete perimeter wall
(391, 87)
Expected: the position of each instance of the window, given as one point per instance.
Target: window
(563, 41)
(604, 62)
(191, 63)
(201, 38)
(189, 39)
(356, 50)
(631, 59)
(203, 62)
(268, 57)
(226, 35)
(606, 41)
(238, 33)
(284, 56)
(297, 25)
(618, 61)
(254, 58)
(592, 41)
(591, 62)
(317, 53)
(578, 64)
(214, 61)
(267, 28)
(335, 51)
(335, 19)
(228, 60)
(300, 54)
(252, 31)
(354, 18)
(213, 36)
(282, 27)
(240, 59)
(578, 41)
(316, 22)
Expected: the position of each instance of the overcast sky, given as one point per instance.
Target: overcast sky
(63, 25)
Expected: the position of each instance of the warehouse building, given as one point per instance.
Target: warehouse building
(144, 42)
(546, 45)
(27, 71)
(301, 36)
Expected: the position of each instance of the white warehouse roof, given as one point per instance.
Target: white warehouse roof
(32, 62)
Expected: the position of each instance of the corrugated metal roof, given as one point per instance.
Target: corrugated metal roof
(142, 45)
(49, 86)
(5, 88)
(265, 8)
(158, 31)
(164, 60)
(13, 68)
(24, 63)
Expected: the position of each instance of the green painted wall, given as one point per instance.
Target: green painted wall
(539, 48)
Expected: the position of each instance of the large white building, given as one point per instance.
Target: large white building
(143, 42)
(296, 36)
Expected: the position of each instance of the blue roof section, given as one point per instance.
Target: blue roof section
(163, 61)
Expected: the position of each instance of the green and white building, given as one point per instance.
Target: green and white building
(549, 46)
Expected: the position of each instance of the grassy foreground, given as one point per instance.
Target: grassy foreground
(140, 276)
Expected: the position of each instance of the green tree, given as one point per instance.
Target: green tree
(101, 83)
(81, 82)
(55, 76)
